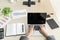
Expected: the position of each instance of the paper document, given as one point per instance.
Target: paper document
(19, 14)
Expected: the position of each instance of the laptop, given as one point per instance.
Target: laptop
(36, 19)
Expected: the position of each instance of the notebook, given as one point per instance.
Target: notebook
(15, 29)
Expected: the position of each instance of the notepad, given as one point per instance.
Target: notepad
(15, 29)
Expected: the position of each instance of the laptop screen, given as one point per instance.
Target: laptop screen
(36, 18)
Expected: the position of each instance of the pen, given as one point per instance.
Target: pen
(22, 28)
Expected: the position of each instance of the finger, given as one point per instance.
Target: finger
(31, 26)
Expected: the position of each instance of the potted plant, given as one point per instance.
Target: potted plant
(6, 11)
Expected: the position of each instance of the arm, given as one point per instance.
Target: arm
(45, 34)
(30, 32)
(28, 35)
(43, 31)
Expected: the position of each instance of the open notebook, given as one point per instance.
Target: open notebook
(15, 29)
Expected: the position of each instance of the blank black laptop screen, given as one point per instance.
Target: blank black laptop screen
(36, 18)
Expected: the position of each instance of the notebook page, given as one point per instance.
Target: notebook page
(11, 29)
(20, 28)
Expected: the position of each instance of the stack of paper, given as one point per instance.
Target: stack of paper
(19, 14)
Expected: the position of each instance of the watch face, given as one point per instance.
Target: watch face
(36, 18)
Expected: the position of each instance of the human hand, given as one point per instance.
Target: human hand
(30, 31)
(42, 27)
(43, 30)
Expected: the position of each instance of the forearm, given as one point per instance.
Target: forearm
(45, 34)
(43, 31)
(30, 31)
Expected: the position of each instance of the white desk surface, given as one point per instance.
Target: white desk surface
(43, 6)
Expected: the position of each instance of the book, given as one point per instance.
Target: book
(15, 29)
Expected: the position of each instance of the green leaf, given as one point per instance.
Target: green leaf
(6, 11)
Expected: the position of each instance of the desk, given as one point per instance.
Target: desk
(43, 6)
